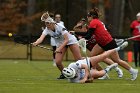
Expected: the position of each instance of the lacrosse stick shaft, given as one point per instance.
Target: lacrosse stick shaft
(82, 44)
(132, 37)
(45, 48)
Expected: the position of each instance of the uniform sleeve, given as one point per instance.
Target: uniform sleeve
(64, 31)
(89, 33)
(92, 27)
(45, 32)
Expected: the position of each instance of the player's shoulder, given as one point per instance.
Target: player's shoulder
(95, 21)
(75, 64)
(134, 22)
(60, 26)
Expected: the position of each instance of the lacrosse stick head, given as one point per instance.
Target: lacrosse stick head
(119, 41)
(82, 44)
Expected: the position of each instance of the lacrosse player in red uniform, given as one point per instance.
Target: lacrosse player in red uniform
(105, 41)
(135, 30)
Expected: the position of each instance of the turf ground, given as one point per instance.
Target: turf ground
(22, 76)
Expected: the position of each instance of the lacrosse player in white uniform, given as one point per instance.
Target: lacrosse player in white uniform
(81, 71)
(63, 39)
(57, 19)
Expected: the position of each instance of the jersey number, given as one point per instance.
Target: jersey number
(104, 25)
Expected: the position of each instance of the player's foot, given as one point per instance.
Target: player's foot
(134, 74)
(125, 44)
(61, 77)
(108, 68)
(119, 72)
(106, 76)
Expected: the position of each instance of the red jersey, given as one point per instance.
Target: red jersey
(102, 36)
(135, 25)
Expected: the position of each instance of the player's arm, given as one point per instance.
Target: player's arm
(89, 33)
(83, 66)
(39, 40)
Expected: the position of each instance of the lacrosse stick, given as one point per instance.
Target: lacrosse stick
(82, 44)
(45, 48)
(26, 40)
(120, 41)
(133, 37)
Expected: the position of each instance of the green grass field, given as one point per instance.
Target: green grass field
(22, 76)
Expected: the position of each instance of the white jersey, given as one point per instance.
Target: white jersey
(61, 22)
(52, 39)
(60, 30)
(80, 73)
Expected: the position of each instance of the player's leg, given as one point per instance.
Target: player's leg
(98, 50)
(139, 54)
(117, 69)
(75, 51)
(53, 44)
(96, 59)
(135, 45)
(54, 48)
(58, 60)
(96, 74)
(115, 57)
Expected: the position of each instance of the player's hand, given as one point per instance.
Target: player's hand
(58, 50)
(83, 80)
(89, 80)
(34, 44)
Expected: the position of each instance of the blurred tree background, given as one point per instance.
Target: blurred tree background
(23, 16)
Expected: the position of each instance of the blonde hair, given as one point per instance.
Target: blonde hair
(46, 18)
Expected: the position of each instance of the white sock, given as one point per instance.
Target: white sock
(117, 49)
(54, 60)
(106, 70)
(131, 70)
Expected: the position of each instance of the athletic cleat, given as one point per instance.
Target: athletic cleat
(61, 77)
(108, 68)
(106, 76)
(134, 74)
(120, 73)
(125, 44)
